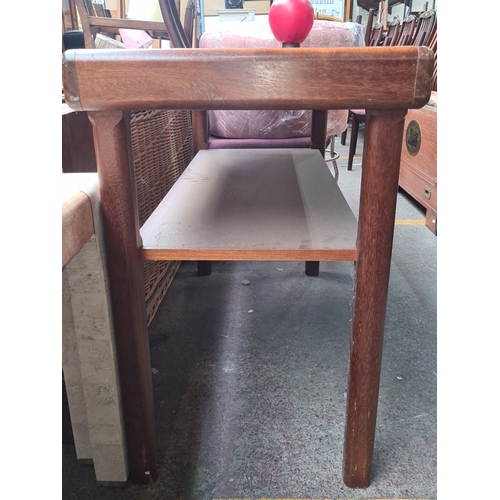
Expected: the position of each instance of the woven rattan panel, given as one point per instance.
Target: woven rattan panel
(161, 142)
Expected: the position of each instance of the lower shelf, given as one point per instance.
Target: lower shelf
(253, 204)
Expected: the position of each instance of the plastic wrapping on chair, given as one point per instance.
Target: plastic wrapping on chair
(276, 124)
(258, 34)
(271, 124)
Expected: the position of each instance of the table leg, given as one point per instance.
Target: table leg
(204, 268)
(200, 141)
(126, 282)
(354, 140)
(379, 186)
(319, 123)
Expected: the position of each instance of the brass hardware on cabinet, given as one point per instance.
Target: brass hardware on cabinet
(427, 193)
(413, 138)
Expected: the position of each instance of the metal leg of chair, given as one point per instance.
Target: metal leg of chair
(333, 157)
(336, 169)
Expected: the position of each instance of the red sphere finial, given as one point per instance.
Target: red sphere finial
(291, 21)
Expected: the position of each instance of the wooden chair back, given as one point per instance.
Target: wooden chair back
(190, 23)
(433, 47)
(100, 11)
(368, 27)
(392, 35)
(426, 26)
(376, 35)
(93, 21)
(179, 38)
(407, 30)
(69, 17)
(432, 44)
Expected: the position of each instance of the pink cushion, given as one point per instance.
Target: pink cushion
(135, 39)
(271, 124)
(275, 124)
(258, 34)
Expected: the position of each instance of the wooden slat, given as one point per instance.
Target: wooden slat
(385, 78)
(99, 10)
(112, 22)
(73, 14)
(252, 204)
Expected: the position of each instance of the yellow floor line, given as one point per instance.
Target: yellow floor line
(355, 157)
(409, 222)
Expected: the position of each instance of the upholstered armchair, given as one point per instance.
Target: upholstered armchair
(273, 128)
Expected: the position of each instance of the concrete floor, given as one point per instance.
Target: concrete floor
(250, 379)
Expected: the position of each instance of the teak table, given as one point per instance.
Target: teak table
(288, 203)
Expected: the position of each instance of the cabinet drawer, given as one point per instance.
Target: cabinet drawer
(418, 187)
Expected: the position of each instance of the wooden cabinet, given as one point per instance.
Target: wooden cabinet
(418, 174)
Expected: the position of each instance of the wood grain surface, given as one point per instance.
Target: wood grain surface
(358, 77)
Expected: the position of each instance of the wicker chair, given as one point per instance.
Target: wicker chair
(161, 142)
(270, 128)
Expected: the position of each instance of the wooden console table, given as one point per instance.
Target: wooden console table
(294, 209)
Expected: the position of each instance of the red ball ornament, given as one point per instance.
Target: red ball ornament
(291, 21)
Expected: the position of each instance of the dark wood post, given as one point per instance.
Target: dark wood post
(126, 282)
(199, 121)
(354, 140)
(319, 123)
(379, 186)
